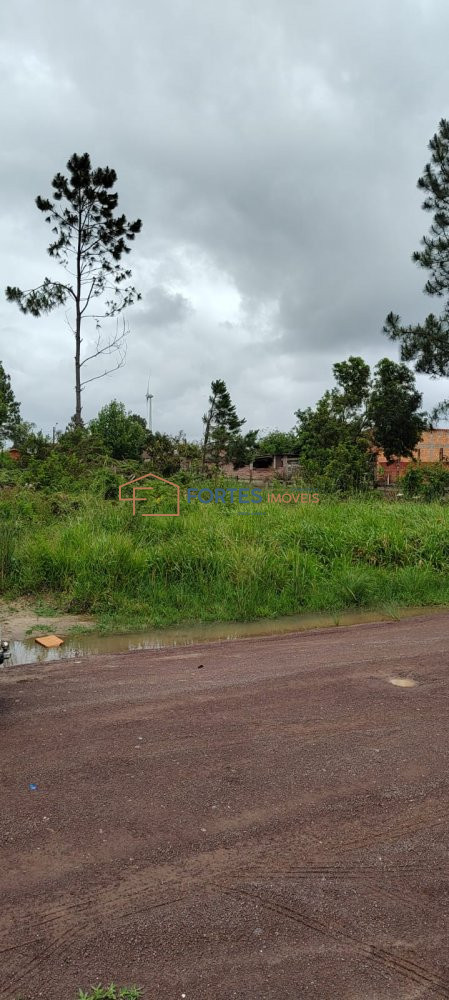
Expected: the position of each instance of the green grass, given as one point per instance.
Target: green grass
(213, 564)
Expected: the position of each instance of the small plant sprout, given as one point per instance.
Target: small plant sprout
(111, 992)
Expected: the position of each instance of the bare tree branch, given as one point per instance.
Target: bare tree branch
(114, 345)
(108, 371)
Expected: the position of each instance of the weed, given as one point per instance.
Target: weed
(111, 992)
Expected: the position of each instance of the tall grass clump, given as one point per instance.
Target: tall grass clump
(213, 563)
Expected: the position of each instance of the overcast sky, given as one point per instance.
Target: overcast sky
(271, 148)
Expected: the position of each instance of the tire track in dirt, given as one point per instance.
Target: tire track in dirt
(412, 971)
(140, 892)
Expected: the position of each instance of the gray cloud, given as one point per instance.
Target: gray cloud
(272, 151)
(164, 307)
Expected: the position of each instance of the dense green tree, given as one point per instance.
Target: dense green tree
(83, 443)
(278, 443)
(332, 449)
(122, 435)
(140, 420)
(336, 437)
(393, 409)
(29, 441)
(221, 425)
(73, 462)
(9, 407)
(353, 386)
(242, 449)
(89, 241)
(162, 452)
(165, 452)
(427, 343)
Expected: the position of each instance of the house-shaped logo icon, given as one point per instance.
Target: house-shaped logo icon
(138, 488)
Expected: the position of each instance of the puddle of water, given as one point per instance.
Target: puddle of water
(90, 644)
(402, 682)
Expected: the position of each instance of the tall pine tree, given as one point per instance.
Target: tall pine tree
(221, 426)
(89, 241)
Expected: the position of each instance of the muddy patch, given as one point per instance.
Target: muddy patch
(21, 619)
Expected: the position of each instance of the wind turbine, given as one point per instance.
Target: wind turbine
(149, 400)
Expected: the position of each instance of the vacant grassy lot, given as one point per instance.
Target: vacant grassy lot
(212, 563)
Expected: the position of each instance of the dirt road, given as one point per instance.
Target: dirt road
(273, 824)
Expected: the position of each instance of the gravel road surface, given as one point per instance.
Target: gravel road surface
(261, 819)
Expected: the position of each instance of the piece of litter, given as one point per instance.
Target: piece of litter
(200, 666)
(49, 641)
(33, 788)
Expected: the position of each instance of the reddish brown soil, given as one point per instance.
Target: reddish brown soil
(271, 826)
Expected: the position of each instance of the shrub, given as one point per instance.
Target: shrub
(111, 992)
(431, 482)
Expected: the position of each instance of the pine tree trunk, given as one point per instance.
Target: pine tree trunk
(206, 441)
(78, 417)
(207, 427)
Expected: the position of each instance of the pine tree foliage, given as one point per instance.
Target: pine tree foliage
(9, 407)
(427, 343)
(221, 425)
